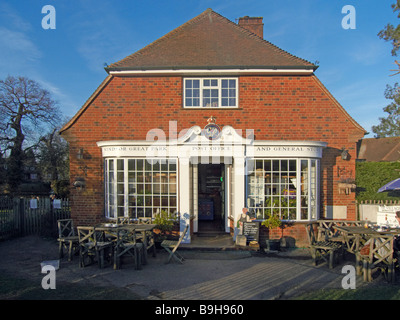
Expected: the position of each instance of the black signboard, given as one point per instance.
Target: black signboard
(251, 230)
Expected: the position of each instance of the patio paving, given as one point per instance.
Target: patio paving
(223, 275)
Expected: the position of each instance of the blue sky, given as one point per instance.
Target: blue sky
(354, 64)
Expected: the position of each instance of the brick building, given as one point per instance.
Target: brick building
(206, 120)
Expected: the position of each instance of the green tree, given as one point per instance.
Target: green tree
(392, 34)
(390, 126)
(25, 107)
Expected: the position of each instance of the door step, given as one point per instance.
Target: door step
(211, 234)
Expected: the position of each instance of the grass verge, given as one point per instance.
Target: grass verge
(376, 292)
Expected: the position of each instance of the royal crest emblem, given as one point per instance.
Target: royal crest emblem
(212, 131)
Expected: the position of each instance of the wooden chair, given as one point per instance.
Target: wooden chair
(123, 220)
(67, 238)
(171, 247)
(378, 253)
(93, 245)
(86, 245)
(326, 231)
(324, 249)
(126, 244)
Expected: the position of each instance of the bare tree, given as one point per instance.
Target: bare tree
(53, 161)
(24, 107)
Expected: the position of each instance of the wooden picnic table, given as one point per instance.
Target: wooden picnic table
(146, 232)
(355, 237)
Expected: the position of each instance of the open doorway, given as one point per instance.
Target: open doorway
(211, 198)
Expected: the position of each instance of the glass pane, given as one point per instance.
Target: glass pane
(131, 164)
(172, 202)
(121, 200)
(132, 201)
(140, 212)
(120, 188)
(172, 165)
(120, 176)
(131, 176)
(148, 164)
(148, 201)
(120, 212)
(120, 164)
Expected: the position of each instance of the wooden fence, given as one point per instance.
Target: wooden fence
(380, 202)
(27, 216)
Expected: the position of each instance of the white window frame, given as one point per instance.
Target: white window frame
(218, 87)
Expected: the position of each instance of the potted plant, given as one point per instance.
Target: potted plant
(272, 222)
(164, 222)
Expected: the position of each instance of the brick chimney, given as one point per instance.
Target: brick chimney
(253, 24)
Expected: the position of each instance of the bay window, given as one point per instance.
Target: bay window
(140, 187)
(287, 188)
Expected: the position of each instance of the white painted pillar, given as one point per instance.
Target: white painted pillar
(184, 196)
(238, 199)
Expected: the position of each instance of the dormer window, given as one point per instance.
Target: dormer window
(210, 93)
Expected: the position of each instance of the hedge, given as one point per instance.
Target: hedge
(370, 176)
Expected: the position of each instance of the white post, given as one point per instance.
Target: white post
(184, 196)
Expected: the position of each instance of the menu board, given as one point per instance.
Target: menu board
(251, 230)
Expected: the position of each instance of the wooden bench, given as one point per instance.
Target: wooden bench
(324, 249)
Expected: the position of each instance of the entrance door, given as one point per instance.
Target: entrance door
(211, 197)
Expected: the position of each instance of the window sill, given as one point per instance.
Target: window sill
(211, 108)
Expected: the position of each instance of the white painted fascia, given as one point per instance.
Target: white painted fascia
(199, 72)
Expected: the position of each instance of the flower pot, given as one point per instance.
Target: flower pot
(273, 244)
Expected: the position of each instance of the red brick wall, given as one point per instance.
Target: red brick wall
(276, 107)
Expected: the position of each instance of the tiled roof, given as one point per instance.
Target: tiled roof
(379, 149)
(210, 41)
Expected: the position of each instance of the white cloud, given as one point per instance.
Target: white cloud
(17, 51)
(12, 19)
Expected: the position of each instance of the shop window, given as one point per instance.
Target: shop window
(210, 93)
(140, 187)
(287, 188)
